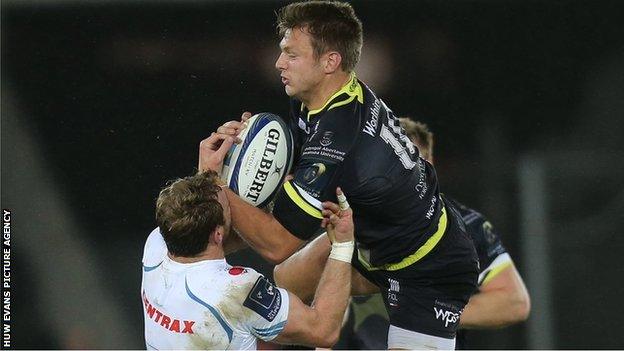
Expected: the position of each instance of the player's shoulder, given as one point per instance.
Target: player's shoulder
(470, 216)
(223, 282)
(155, 248)
(241, 275)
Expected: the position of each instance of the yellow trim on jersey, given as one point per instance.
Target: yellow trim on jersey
(495, 271)
(301, 202)
(416, 256)
(353, 89)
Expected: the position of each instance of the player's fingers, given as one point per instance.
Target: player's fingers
(324, 222)
(327, 213)
(231, 128)
(330, 206)
(342, 199)
(225, 147)
(237, 140)
(245, 116)
(212, 142)
(228, 131)
(334, 219)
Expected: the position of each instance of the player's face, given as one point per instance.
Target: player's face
(301, 72)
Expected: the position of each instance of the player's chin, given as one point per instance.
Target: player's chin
(290, 91)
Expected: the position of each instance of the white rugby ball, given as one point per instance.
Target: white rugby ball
(255, 169)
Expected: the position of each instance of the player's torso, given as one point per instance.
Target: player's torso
(361, 147)
(196, 307)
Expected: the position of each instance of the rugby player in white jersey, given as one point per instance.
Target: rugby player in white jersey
(193, 299)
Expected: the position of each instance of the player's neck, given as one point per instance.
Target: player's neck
(326, 89)
(212, 252)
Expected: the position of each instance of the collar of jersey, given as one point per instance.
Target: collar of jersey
(180, 266)
(345, 95)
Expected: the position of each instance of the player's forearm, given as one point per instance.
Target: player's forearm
(331, 299)
(494, 309)
(262, 231)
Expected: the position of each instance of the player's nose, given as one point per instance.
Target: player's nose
(280, 63)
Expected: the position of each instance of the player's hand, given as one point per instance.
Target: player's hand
(338, 219)
(212, 152)
(233, 128)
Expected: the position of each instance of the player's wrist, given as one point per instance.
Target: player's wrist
(342, 251)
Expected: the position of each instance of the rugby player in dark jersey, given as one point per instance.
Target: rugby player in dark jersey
(502, 299)
(411, 243)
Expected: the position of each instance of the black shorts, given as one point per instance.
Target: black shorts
(428, 296)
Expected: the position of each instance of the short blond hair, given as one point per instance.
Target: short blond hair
(420, 135)
(188, 211)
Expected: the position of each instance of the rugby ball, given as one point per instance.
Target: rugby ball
(255, 169)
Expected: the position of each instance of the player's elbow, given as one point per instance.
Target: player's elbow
(519, 307)
(277, 255)
(280, 275)
(326, 329)
(273, 257)
(328, 337)
(523, 307)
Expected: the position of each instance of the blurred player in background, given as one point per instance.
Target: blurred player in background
(502, 299)
(193, 299)
(411, 243)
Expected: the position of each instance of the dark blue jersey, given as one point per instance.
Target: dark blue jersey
(369, 317)
(493, 256)
(355, 141)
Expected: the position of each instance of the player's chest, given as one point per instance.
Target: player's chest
(322, 141)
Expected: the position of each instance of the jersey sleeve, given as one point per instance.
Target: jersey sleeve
(155, 249)
(315, 174)
(298, 211)
(493, 257)
(269, 307)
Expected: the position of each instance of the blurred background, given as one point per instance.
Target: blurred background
(104, 101)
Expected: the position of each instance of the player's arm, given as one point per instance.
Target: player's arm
(502, 300)
(262, 231)
(320, 323)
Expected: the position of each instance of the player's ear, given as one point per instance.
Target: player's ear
(332, 61)
(217, 235)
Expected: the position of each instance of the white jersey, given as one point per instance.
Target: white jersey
(207, 304)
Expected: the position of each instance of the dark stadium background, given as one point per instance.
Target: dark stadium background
(103, 102)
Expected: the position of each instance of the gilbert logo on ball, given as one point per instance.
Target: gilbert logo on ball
(255, 169)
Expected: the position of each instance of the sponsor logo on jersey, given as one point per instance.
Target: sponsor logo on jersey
(264, 299)
(237, 270)
(326, 140)
(268, 156)
(165, 321)
(304, 126)
(395, 288)
(314, 172)
(447, 313)
(422, 186)
(432, 207)
(370, 127)
(488, 230)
